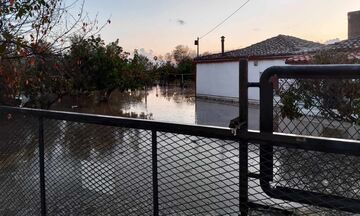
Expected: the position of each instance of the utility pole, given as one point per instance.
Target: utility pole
(197, 43)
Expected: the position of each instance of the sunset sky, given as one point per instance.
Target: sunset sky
(157, 26)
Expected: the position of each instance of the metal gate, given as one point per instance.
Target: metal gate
(301, 169)
(60, 163)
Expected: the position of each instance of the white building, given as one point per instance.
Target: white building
(217, 75)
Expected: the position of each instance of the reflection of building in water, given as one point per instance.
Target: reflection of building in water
(316, 126)
(221, 113)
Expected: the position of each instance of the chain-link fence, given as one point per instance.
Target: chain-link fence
(309, 179)
(112, 166)
(321, 107)
(56, 163)
(99, 166)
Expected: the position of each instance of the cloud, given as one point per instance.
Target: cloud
(256, 29)
(180, 22)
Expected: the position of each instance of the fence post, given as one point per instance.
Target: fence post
(243, 145)
(155, 173)
(42, 166)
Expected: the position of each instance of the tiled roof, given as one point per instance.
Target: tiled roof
(299, 59)
(351, 47)
(281, 45)
(345, 45)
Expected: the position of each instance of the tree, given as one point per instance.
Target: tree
(140, 72)
(186, 66)
(182, 52)
(34, 36)
(94, 66)
(335, 99)
(183, 57)
(165, 71)
(27, 23)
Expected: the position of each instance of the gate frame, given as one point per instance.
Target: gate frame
(266, 127)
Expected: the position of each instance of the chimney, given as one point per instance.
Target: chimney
(222, 44)
(353, 24)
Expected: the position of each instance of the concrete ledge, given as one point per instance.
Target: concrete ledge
(225, 99)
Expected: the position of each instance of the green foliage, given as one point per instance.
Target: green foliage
(36, 62)
(140, 72)
(32, 38)
(25, 19)
(334, 99)
(168, 71)
(165, 71)
(92, 65)
(186, 66)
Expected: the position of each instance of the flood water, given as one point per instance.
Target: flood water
(102, 170)
(167, 104)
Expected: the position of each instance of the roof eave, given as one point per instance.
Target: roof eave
(231, 59)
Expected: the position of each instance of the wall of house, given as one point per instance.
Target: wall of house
(221, 80)
(256, 68)
(218, 80)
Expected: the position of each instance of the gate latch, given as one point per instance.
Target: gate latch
(236, 125)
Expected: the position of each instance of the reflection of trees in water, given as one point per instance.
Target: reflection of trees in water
(318, 172)
(90, 104)
(18, 139)
(80, 139)
(141, 115)
(179, 95)
(135, 139)
(18, 164)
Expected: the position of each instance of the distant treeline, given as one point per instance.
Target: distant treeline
(55, 53)
(89, 65)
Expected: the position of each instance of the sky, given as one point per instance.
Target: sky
(155, 27)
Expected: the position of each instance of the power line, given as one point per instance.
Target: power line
(218, 25)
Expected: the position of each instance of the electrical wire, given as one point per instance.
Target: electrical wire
(218, 25)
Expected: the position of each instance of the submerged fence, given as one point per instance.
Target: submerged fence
(59, 163)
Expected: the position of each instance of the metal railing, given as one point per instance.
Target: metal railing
(85, 164)
(80, 164)
(60, 163)
(326, 77)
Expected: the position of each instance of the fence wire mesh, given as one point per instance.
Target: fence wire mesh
(97, 170)
(295, 171)
(19, 165)
(93, 169)
(198, 175)
(318, 107)
(304, 182)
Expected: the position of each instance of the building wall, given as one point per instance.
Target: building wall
(256, 71)
(221, 80)
(353, 24)
(218, 80)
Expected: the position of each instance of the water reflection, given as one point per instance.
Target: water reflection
(99, 170)
(168, 104)
(220, 113)
(18, 165)
(102, 170)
